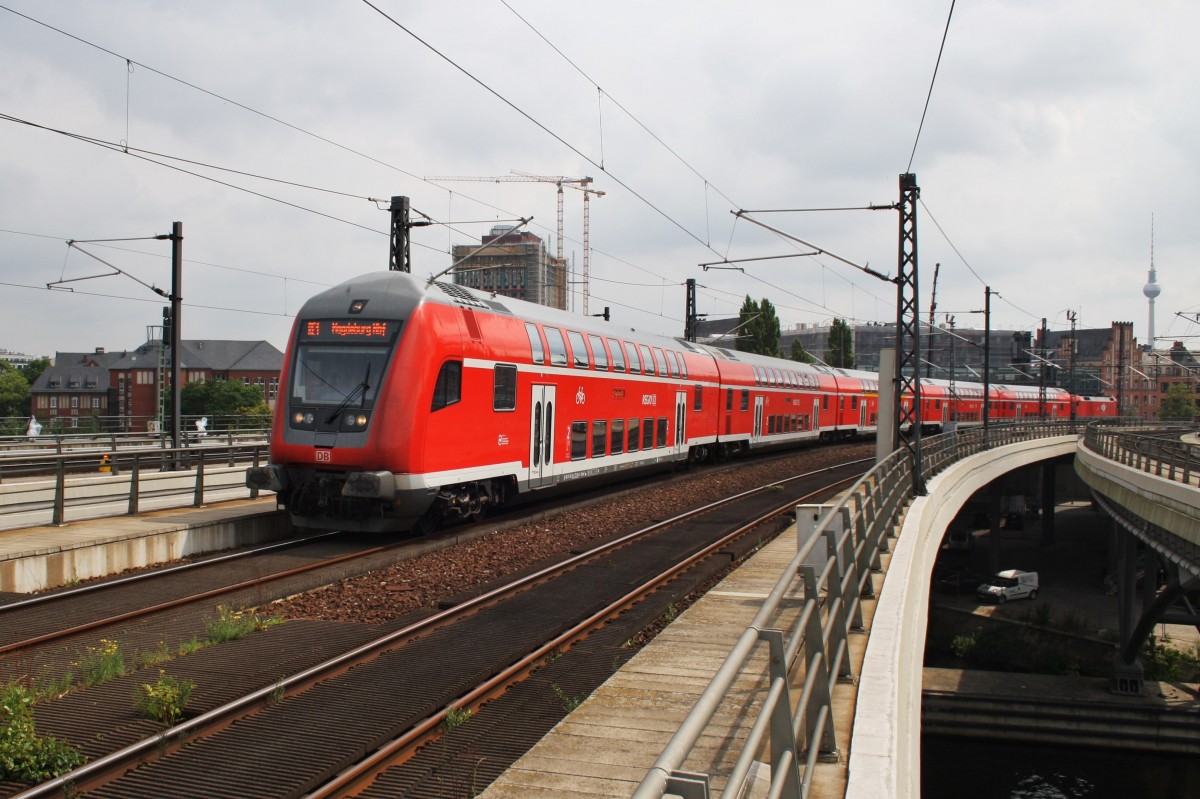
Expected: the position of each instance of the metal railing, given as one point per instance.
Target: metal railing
(139, 473)
(1162, 454)
(811, 642)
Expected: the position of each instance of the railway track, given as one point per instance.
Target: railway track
(273, 676)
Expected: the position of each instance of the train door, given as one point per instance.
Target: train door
(541, 437)
(680, 440)
(756, 431)
(862, 413)
(816, 417)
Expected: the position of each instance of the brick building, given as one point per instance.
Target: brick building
(127, 390)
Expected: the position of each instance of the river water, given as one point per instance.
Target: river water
(959, 768)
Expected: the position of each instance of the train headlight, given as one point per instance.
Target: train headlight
(354, 421)
(304, 419)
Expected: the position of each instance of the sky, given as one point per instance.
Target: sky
(1056, 133)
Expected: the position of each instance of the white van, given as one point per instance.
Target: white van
(1010, 584)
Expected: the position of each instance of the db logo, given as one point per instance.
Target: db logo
(323, 455)
(580, 397)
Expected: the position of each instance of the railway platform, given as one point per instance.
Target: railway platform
(38, 558)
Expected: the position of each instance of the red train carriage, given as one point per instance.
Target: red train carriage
(771, 402)
(858, 401)
(1094, 407)
(407, 403)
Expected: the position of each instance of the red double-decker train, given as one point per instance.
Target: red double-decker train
(405, 403)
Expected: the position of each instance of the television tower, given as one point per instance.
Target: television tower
(1151, 289)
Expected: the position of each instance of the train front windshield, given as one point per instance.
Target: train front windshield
(330, 374)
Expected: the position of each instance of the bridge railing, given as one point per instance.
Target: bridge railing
(126, 477)
(828, 578)
(1157, 449)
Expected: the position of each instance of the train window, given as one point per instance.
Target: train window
(697, 398)
(535, 343)
(558, 347)
(758, 380)
(825, 402)
(682, 366)
(504, 387)
(598, 353)
(448, 389)
(673, 363)
(599, 438)
(729, 400)
(660, 361)
(648, 361)
(634, 426)
(853, 403)
(537, 433)
(579, 434)
(578, 349)
(618, 355)
(770, 425)
(660, 440)
(745, 399)
(635, 365)
(648, 434)
(617, 439)
(776, 377)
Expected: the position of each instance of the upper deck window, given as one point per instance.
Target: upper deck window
(661, 361)
(635, 363)
(558, 347)
(647, 359)
(535, 343)
(618, 355)
(579, 351)
(598, 353)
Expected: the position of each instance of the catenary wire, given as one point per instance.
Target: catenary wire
(932, 80)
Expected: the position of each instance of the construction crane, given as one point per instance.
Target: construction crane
(582, 184)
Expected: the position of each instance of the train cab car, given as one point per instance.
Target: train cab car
(406, 404)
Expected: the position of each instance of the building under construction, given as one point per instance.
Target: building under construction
(512, 264)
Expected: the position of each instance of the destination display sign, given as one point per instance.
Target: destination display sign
(348, 330)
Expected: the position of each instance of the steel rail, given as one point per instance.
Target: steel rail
(358, 776)
(190, 598)
(96, 772)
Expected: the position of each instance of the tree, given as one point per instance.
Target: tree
(799, 353)
(767, 329)
(744, 340)
(220, 398)
(841, 345)
(1178, 403)
(758, 328)
(33, 370)
(14, 391)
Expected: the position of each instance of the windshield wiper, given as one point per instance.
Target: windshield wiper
(355, 393)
